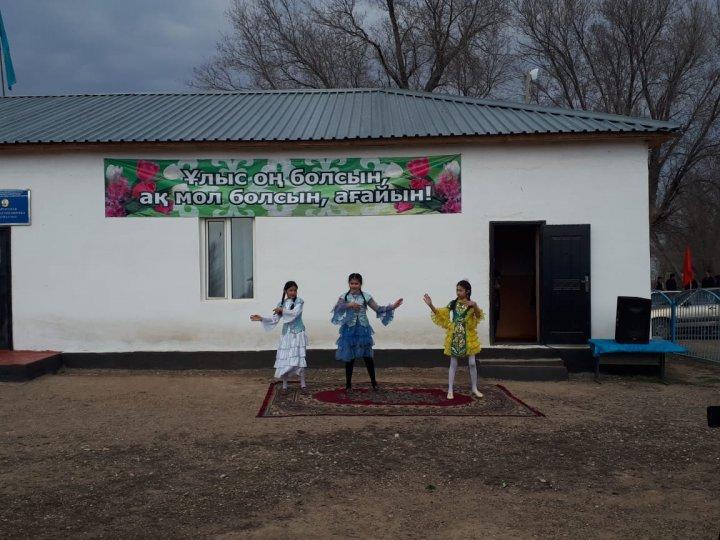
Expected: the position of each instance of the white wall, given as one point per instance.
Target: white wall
(82, 282)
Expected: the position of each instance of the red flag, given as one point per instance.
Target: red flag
(688, 273)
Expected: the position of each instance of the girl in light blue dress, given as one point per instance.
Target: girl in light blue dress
(355, 341)
(290, 358)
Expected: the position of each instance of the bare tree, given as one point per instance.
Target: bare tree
(456, 45)
(696, 224)
(279, 44)
(488, 68)
(656, 58)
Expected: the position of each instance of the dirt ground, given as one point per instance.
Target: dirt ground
(88, 454)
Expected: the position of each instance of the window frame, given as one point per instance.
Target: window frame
(204, 224)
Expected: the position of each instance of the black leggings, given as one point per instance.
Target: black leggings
(369, 364)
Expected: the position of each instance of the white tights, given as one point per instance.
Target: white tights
(453, 370)
(301, 374)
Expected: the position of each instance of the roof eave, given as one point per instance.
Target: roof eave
(653, 138)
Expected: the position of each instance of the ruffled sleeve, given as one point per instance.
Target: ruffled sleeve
(340, 313)
(268, 323)
(473, 341)
(441, 317)
(384, 313)
(473, 320)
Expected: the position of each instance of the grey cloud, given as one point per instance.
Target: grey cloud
(98, 46)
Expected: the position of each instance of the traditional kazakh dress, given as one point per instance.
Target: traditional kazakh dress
(356, 339)
(290, 356)
(461, 338)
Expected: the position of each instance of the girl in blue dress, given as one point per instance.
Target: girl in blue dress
(355, 340)
(290, 358)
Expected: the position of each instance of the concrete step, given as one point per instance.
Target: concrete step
(26, 365)
(523, 369)
(521, 362)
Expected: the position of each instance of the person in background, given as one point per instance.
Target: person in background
(496, 301)
(708, 281)
(671, 284)
(658, 284)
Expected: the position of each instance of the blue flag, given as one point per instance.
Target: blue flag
(9, 71)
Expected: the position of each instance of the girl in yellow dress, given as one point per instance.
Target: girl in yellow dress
(460, 319)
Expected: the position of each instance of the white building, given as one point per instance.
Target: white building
(553, 226)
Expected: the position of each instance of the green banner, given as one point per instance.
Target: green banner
(292, 187)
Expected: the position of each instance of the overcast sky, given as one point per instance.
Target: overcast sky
(100, 46)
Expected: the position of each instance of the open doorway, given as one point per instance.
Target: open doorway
(514, 282)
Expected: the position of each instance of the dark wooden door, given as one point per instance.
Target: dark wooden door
(5, 297)
(565, 292)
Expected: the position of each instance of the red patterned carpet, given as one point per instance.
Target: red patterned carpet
(392, 400)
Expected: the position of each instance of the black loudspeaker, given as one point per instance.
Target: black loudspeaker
(632, 324)
(713, 414)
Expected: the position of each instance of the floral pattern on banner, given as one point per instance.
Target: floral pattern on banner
(159, 188)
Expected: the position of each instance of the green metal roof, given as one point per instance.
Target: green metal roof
(291, 115)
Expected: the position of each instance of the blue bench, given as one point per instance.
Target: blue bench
(616, 353)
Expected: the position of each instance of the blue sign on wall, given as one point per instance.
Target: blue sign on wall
(14, 207)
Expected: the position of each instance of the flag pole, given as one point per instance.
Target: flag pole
(2, 72)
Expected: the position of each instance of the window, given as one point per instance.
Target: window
(228, 258)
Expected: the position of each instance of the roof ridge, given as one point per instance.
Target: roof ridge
(207, 93)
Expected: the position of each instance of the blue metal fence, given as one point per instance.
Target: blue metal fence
(690, 318)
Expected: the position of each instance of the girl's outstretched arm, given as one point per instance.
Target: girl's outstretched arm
(268, 323)
(440, 316)
(384, 313)
(429, 303)
(372, 304)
